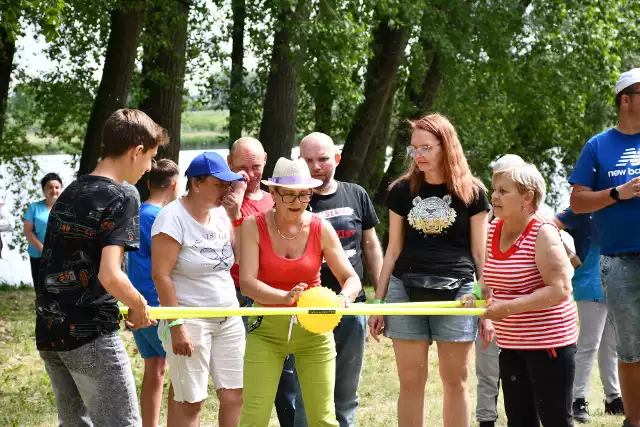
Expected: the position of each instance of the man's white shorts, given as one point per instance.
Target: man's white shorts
(218, 352)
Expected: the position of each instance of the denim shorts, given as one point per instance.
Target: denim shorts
(148, 342)
(429, 328)
(621, 283)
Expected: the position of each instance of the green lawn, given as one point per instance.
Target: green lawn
(26, 398)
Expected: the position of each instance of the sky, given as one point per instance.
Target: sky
(31, 58)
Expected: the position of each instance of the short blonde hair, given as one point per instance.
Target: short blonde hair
(506, 161)
(526, 177)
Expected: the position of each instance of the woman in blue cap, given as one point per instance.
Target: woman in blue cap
(192, 254)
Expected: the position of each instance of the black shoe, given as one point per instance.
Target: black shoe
(615, 407)
(580, 411)
(487, 424)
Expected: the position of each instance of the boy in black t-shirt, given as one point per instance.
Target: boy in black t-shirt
(92, 224)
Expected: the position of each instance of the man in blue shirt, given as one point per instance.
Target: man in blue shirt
(596, 329)
(163, 186)
(606, 181)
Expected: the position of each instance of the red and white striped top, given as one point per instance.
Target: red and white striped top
(513, 274)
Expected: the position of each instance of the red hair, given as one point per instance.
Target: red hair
(457, 174)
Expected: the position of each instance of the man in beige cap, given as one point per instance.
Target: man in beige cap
(606, 181)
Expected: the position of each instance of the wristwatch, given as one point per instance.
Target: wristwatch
(615, 195)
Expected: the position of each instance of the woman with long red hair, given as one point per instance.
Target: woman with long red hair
(437, 233)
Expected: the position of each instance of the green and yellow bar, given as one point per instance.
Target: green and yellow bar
(448, 308)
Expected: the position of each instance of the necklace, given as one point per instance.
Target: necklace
(278, 230)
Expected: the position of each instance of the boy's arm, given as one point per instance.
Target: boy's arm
(116, 282)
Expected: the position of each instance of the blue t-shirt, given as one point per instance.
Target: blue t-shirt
(609, 159)
(586, 278)
(139, 268)
(38, 214)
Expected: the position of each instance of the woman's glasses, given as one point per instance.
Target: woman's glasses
(423, 151)
(291, 198)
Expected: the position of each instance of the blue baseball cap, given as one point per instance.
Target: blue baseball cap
(210, 163)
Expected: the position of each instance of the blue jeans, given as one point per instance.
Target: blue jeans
(288, 387)
(350, 336)
(94, 384)
(621, 283)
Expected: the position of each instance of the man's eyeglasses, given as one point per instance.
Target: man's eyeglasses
(291, 198)
(423, 151)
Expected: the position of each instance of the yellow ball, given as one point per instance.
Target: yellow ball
(319, 297)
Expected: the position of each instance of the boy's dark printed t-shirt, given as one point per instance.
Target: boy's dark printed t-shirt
(437, 232)
(350, 211)
(72, 307)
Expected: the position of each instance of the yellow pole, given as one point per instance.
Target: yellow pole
(369, 309)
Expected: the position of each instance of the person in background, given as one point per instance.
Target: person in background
(192, 253)
(281, 255)
(163, 187)
(247, 157)
(529, 275)
(437, 236)
(36, 218)
(91, 225)
(487, 356)
(350, 211)
(596, 328)
(606, 182)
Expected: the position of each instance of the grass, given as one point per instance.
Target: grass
(26, 398)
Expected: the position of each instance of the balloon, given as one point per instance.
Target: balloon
(319, 297)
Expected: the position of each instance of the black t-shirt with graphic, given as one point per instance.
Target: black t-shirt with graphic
(349, 210)
(72, 307)
(437, 237)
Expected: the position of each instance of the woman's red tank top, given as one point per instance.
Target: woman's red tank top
(284, 273)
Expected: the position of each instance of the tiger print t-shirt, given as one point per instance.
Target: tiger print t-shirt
(72, 306)
(437, 237)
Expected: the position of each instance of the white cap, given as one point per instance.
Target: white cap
(627, 79)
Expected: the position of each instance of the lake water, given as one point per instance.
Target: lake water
(15, 269)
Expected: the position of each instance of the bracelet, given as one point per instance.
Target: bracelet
(165, 334)
(378, 301)
(341, 295)
(237, 222)
(477, 291)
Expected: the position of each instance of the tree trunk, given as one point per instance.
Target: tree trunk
(376, 156)
(323, 100)
(236, 90)
(119, 63)
(163, 69)
(417, 103)
(388, 52)
(7, 51)
(278, 126)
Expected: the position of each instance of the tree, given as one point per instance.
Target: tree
(163, 68)
(419, 95)
(236, 83)
(280, 108)
(388, 45)
(43, 12)
(125, 27)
